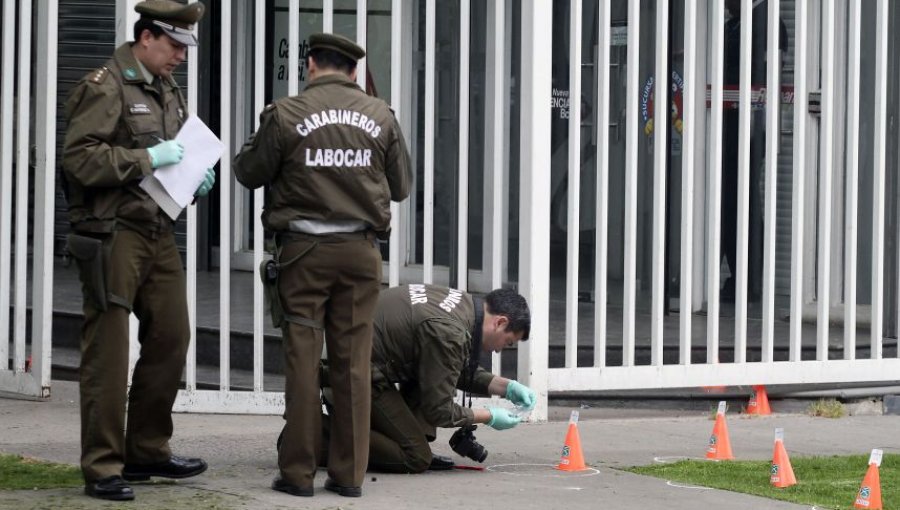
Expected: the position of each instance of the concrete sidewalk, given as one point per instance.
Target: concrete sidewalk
(241, 454)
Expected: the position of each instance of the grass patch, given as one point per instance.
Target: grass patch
(825, 482)
(826, 408)
(17, 472)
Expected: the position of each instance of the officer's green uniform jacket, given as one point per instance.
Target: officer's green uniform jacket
(114, 116)
(326, 162)
(423, 337)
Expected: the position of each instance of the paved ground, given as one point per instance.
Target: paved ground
(520, 475)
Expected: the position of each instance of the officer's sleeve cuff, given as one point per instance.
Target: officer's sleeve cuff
(144, 161)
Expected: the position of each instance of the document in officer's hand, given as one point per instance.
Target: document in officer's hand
(173, 186)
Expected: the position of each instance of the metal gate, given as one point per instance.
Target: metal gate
(811, 345)
(24, 368)
(626, 291)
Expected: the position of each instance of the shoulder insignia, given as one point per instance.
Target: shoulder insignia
(99, 75)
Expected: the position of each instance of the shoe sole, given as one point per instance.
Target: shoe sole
(347, 492)
(143, 477)
(111, 497)
(294, 491)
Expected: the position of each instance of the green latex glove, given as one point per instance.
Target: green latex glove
(207, 183)
(502, 419)
(165, 153)
(521, 395)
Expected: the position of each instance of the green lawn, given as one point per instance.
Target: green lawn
(17, 472)
(826, 482)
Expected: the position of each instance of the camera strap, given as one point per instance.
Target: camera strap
(475, 351)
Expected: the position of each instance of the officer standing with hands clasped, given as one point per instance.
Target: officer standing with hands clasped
(427, 343)
(333, 159)
(122, 121)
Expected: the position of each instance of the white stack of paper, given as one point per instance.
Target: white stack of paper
(173, 186)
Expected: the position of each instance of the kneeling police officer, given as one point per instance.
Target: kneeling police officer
(426, 346)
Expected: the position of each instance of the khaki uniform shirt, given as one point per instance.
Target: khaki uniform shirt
(330, 154)
(423, 337)
(114, 116)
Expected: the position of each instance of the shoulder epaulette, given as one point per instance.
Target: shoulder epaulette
(99, 75)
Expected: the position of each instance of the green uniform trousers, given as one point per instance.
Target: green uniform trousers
(335, 285)
(399, 437)
(147, 275)
(400, 434)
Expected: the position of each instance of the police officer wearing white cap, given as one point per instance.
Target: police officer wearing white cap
(123, 118)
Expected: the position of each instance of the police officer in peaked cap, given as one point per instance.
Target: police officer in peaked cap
(122, 121)
(332, 160)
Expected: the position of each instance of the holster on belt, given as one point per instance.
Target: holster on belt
(269, 273)
(90, 254)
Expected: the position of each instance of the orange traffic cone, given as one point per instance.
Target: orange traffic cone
(759, 402)
(719, 445)
(782, 474)
(869, 495)
(572, 458)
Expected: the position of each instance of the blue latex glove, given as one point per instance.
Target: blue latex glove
(521, 395)
(502, 419)
(207, 183)
(165, 153)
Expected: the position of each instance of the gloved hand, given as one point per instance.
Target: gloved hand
(207, 183)
(502, 419)
(165, 153)
(521, 395)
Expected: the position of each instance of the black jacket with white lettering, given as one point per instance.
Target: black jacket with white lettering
(423, 337)
(331, 153)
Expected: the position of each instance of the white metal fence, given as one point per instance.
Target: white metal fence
(29, 371)
(517, 159)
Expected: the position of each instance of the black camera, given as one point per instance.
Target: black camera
(463, 443)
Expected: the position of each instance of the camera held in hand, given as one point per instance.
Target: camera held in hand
(463, 443)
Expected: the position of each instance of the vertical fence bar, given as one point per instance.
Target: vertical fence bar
(225, 190)
(851, 220)
(45, 194)
(534, 225)
(327, 16)
(396, 104)
(826, 169)
(190, 370)
(880, 148)
(690, 128)
(662, 119)
(6, 168)
(428, 228)
(602, 239)
(631, 174)
(463, 202)
(743, 223)
(22, 164)
(714, 177)
(773, 111)
(574, 176)
(293, 45)
(361, 35)
(798, 221)
(496, 103)
(259, 102)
